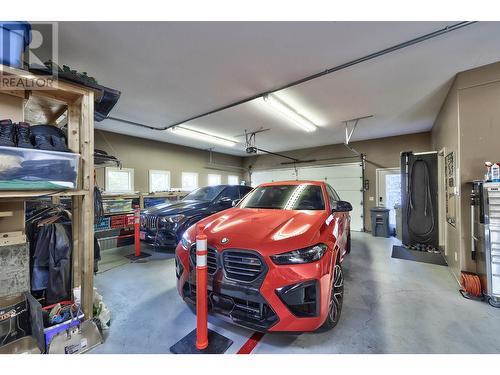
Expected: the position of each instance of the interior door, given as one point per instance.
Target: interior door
(389, 191)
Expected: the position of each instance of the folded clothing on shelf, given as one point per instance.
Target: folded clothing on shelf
(32, 169)
(38, 170)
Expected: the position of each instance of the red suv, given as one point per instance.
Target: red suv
(275, 259)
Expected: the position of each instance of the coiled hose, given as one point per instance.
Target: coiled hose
(424, 236)
(471, 285)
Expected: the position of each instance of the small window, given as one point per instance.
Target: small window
(119, 180)
(189, 181)
(214, 179)
(159, 180)
(233, 180)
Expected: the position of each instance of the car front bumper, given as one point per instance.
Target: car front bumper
(292, 298)
(159, 237)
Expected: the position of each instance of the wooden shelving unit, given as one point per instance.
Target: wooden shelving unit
(113, 233)
(46, 106)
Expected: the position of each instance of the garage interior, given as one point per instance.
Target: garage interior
(399, 118)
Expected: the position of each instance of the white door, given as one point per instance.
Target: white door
(389, 191)
(346, 179)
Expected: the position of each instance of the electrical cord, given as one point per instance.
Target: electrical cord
(424, 236)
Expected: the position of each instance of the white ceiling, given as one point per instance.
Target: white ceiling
(169, 71)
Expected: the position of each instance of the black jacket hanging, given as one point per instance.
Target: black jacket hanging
(52, 262)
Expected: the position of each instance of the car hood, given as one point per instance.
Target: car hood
(265, 230)
(175, 208)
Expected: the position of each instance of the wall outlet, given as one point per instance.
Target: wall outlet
(456, 257)
(371, 199)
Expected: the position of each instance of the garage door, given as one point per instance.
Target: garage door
(346, 179)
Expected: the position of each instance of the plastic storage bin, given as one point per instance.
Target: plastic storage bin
(54, 330)
(105, 224)
(120, 221)
(113, 206)
(14, 38)
(380, 222)
(33, 169)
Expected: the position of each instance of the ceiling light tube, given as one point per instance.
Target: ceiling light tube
(202, 136)
(289, 113)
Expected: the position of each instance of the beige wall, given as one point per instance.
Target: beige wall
(469, 125)
(380, 153)
(143, 155)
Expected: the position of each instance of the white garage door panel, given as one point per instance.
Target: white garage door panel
(337, 171)
(261, 177)
(342, 184)
(346, 179)
(350, 196)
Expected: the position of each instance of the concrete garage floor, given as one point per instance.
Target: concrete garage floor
(390, 306)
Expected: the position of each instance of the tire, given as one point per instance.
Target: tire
(348, 245)
(336, 299)
(493, 302)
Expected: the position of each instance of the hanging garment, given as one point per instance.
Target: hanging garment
(51, 247)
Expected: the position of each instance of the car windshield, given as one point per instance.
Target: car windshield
(286, 197)
(205, 194)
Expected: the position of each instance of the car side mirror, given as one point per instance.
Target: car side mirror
(341, 206)
(236, 201)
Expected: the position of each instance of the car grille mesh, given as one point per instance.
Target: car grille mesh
(242, 265)
(211, 259)
(150, 221)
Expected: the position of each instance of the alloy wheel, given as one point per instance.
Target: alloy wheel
(337, 294)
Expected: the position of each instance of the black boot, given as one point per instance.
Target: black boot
(7, 133)
(23, 132)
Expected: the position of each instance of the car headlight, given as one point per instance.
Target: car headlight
(307, 255)
(185, 242)
(174, 219)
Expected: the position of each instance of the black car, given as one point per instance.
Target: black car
(164, 224)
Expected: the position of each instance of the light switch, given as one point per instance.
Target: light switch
(371, 199)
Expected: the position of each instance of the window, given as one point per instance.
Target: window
(159, 180)
(231, 192)
(286, 197)
(332, 195)
(233, 180)
(244, 190)
(214, 179)
(189, 181)
(119, 180)
(204, 194)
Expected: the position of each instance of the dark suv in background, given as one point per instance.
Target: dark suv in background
(164, 224)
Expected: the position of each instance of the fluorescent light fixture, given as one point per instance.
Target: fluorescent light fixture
(202, 136)
(289, 113)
